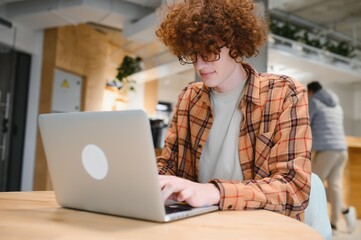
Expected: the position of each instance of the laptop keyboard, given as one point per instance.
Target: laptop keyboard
(177, 207)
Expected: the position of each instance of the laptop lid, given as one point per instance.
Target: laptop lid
(105, 162)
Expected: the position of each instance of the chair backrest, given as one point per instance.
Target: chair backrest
(316, 214)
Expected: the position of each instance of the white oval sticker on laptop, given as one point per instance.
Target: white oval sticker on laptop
(94, 161)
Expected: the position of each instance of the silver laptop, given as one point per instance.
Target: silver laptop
(105, 162)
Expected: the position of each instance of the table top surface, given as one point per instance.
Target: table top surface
(353, 142)
(36, 215)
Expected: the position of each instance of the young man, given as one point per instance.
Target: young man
(238, 138)
(330, 147)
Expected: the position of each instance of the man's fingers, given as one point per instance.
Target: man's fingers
(176, 188)
(195, 194)
(165, 180)
(185, 194)
(167, 191)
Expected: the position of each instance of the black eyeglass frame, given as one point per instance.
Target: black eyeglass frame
(183, 60)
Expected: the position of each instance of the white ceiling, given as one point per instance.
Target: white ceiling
(137, 20)
(41, 14)
(334, 16)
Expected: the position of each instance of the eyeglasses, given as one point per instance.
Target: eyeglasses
(191, 57)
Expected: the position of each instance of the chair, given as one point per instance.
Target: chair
(316, 214)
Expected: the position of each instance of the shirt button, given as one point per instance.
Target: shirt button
(199, 146)
(230, 206)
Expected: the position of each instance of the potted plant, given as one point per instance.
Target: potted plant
(128, 67)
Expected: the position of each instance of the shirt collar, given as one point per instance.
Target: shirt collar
(252, 85)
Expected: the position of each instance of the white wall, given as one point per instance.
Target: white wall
(170, 87)
(168, 95)
(22, 38)
(30, 42)
(136, 98)
(32, 113)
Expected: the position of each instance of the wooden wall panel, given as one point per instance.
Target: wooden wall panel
(41, 179)
(151, 97)
(90, 53)
(85, 51)
(353, 179)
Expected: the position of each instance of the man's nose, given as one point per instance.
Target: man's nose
(200, 63)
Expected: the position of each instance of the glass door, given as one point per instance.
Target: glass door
(6, 72)
(14, 85)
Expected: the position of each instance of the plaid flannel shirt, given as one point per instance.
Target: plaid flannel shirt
(274, 144)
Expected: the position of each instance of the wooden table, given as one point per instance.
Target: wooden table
(352, 177)
(36, 215)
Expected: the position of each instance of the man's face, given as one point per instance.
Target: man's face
(222, 75)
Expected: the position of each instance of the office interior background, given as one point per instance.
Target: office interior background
(43, 42)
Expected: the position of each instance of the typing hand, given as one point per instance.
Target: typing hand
(195, 194)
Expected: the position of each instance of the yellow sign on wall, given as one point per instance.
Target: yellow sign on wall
(66, 95)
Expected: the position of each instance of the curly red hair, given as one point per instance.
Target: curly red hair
(202, 25)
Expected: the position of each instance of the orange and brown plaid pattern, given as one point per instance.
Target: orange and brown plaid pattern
(274, 144)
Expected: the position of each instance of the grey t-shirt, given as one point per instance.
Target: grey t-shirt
(220, 158)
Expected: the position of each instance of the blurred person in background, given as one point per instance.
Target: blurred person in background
(330, 149)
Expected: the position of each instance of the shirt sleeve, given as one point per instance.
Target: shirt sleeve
(167, 161)
(284, 154)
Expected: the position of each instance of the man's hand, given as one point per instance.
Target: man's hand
(195, 194)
